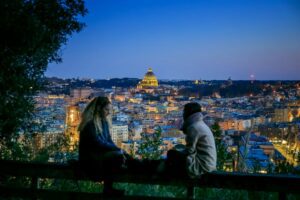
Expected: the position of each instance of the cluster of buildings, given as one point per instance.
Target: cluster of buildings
(267, 130)
(135, 111)
(250, 124)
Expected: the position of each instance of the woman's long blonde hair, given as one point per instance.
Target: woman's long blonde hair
(91, 112)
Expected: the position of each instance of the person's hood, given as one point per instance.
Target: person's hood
(192, 119)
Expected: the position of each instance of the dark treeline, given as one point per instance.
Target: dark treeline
(223, 88)
(238, 88)
(54, 84)
(117, 82)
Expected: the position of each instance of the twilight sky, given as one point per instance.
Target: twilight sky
(185, 39)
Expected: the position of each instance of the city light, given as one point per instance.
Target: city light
(137, 110)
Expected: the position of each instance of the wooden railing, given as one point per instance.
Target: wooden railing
(281, 184)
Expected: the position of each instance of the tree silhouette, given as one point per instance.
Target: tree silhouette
(32, 33)
(222, 154)
(150, 148)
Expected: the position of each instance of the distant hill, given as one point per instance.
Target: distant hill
(224, 88)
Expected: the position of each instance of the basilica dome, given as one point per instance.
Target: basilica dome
(149, 80)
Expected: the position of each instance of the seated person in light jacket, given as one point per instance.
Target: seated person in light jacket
(98, 154)
(199, 155)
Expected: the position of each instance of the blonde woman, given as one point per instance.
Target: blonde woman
(97, 152)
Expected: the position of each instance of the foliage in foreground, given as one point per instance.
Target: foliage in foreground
(32, 35)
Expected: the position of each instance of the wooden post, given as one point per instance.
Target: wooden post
(253, 195)
(190, 192)
(34, 183)
(282, 196)
(34, 186)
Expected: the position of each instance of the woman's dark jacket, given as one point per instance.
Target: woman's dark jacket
(93, 146)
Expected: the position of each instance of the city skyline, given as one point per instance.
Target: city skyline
(209, 40)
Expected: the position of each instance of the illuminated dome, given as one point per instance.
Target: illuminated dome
(149, 80)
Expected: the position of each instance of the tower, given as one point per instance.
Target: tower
(252, 78)
(72, 122)
(229, 81)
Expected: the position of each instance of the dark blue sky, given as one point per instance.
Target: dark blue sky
(185, 39)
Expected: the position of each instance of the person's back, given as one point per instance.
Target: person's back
(86, 143)
(199, 155)
(200, 145)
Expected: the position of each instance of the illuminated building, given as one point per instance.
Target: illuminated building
(172, 107)
(72, 122)
(119, 133)
(42, 140)
(282, 115)
(149, 81)
(120, 98)
(137, 130)
(198, 82)
(152, 109)
(235, 124)
(80, 94)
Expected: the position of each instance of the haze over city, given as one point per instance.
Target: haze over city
(185, 40)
